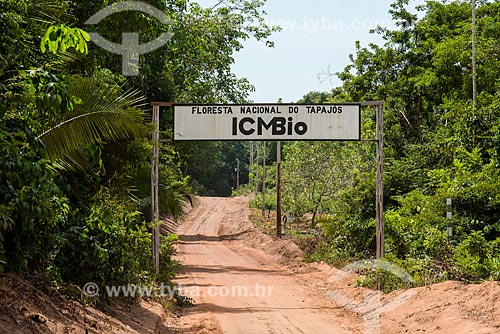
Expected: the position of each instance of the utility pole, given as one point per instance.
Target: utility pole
(380, 181)
(278, 189)
(278, 185)
(474, 69)
(237, 173)
(263, 179)
(257, 170)
(250, 170)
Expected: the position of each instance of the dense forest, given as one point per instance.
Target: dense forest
(76, 144)
(76, 148)
(439, 144)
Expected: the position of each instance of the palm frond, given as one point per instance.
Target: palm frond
(172, 194)
(74, 161)
(47, 12)
(63, 60)
(104, 114)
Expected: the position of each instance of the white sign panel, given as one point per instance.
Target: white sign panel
(267, 122)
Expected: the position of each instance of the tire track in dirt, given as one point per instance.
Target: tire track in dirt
(239, 289)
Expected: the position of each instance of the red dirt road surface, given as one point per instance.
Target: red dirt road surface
(245, 282)
(244, 289)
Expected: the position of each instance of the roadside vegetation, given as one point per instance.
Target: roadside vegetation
(437, 146)
(76, 152)
(75, 134)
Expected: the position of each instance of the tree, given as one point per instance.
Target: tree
(437, 145)
(313, 173)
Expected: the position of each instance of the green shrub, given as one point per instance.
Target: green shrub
(270, 203)
(106, 243)
(346, 241)
(476, 258)
(31, 205)
(493, 264)
(168, 265)
(243, 190)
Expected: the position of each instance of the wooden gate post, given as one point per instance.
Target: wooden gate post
(155, 211)
(379, 192)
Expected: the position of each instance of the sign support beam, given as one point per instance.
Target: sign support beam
(278, 189)
(263, 179)
(237, 173)
(380, 182)
(155, 211)
(379, 195)
(379, 192)
(257, 169)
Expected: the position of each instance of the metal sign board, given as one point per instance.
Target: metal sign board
(267, 121)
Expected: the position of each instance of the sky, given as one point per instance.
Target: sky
(317, 37)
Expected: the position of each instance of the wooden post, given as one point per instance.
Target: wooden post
(474, 70)
(256, 169)
(278, 189)
(155, 211)
(154, 189)
(379, 192)
(237, 173)
(250, 169)
(380, 181)
(263, 179)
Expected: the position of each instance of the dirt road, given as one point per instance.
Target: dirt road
(240, 289)
(246, 282)
(240, 284)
